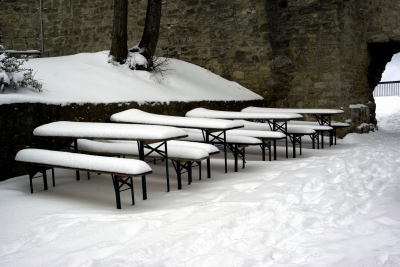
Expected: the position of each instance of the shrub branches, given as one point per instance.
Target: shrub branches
(12, 75)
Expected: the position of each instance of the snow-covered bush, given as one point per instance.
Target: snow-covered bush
(12, 75)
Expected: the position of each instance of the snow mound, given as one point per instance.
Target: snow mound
(89, 78)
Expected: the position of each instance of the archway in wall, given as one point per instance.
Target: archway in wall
(389, 84)
(387, 96)
(380, 54)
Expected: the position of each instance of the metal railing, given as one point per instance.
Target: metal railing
(387, 89)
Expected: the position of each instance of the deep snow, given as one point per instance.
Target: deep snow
(87, 77)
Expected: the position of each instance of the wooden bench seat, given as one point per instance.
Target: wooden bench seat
(333, 127)
(293, 132)
(265, 136)
(235, 143)
(122, 170)
(181, 157)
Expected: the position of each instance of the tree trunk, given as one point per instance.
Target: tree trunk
(151, 30)
(119, 47)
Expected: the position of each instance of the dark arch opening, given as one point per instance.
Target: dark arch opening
(381, 54)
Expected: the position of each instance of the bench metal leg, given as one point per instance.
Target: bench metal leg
(199, 164)
(182, 168)
(237, 153)
(282, 128)
(132, 192)
(300, 144)
(45, 179)
(116, 189)
(208, 168)
(236, 157)
(119, 182)
(52, 177)
(30, 179)
(141, 157)
(189, 170)
(294, 145)
(334, 133)
(322, 140)
(295, 139)
(159, 151)
(144, 188)
(178, 173)
(42, 170)
(226, 157)
(287, 147)
(315, 139)
(269, 155)
(78, 177)
(243, 159)
(166, 165)
(206, 136)
(313, 136)
(265, 145)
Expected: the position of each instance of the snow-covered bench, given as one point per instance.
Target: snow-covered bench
(293, 132)
(207, 126)
(235, 143)
(334, 126)
(316, 127)
(265, 136)
(121, 170)
(275, 119)
(181, 154)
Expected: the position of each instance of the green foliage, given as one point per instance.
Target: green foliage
(12, 75)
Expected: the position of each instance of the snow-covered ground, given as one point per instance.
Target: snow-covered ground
(337, 206)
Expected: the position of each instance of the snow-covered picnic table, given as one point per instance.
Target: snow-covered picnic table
(277, 121)
(183, 155)
(293, 132)
(207, 126)
(143, 134)
(322, 116)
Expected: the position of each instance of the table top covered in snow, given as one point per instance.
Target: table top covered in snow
(293, 110)
(231, 115)
(99, 130)
(142, 117)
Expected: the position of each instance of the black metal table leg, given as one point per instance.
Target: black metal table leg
(141, 157)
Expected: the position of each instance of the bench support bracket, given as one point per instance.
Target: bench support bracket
(119, 182)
